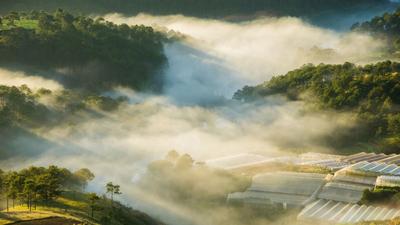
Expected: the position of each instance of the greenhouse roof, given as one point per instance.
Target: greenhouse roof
(374, 168)
(372, 157)
(343, 191)
(235, 161)
(281, 187)
(339, 212)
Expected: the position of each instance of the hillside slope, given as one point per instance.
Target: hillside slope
(371, 92)
(82, 53)
(43, 195)
(72, 208)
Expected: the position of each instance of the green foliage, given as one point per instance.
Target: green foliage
(113, 189)
(204, 190)
(381, 195)
(23, 111)
(20, 106)
(371, 91)
(98, 209)
(205, 8)
(178, 179)
(95, 55)
(54, 189)
(39, 184)
(386, 26)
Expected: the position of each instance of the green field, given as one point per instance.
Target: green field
(24, 23)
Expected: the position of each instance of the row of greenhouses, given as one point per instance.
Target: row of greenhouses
(288, 188)
(342, 213)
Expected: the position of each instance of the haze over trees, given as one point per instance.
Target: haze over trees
(39, 185)
(185, 183)
(204, 8)
(23, 109)
(371, 92)
(386, 26)
(83, 53)
(55, 189)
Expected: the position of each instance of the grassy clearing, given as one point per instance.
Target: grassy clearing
(71, 205)
(75, 206)
(20, 213)
(24, 23)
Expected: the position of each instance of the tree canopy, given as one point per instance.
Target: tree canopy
(21, 106)
(386, 26)
(203, 8)
(371, 91)
(39, 184)
(83, 53)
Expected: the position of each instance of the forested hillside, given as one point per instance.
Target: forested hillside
(23, 110)
(82, 53)
(386, 26)
(204, 8)
(372, 92)
(50, 193)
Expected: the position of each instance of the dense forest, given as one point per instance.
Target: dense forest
(386, 26)
(82, 53)
(23, 110)
(372, 92)
(22, 106)
(204, 8)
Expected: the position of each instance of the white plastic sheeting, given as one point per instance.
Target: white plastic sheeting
(374, 168)
(236, 161)
(344, 192)
(280, 187)
(331, 164)
(362, 179)
(388, 181)
(339, 212)
(372, 157)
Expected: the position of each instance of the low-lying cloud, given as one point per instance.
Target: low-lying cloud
(256, 50)
(17, 78)
(195, 115)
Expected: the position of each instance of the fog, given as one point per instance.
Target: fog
(18, 78)
(256, 50)
(195, 114)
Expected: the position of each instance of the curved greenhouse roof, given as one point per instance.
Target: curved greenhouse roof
(281, 187)
(235, 161)
(388, 181)
(339, 212)
(374, 168)
(372, 157)
(343, 192)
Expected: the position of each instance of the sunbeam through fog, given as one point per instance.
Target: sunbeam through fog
(195, 112)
